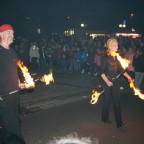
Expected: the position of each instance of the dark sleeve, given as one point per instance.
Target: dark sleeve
(134, 61)
(103, 65)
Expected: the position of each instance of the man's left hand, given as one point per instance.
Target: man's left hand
(22, 85)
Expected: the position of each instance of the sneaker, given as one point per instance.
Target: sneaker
(122, 127)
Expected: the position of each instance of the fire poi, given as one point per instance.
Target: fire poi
(136, 91)
(95, 96)
(47, 78)
(124, 63)
(29, 82)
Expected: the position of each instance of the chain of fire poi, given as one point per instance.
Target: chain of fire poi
(124, 63)
(29, 81)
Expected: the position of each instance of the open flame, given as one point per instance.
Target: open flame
(29, 82)
(124, 62)
(95, 96)
(47, 78)
(136, 91)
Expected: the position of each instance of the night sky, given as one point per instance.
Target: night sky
(58, 15)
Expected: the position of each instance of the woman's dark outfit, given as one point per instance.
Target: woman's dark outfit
(111, 68)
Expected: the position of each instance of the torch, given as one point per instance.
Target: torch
(124, 63)
(96, 94)
(28, 80)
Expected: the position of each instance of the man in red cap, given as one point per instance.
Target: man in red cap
(9, 82)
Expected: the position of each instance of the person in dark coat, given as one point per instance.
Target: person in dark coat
(138, 62)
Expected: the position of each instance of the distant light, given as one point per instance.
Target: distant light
(69, 32)
(133, 30)
(120, 25)
(68, 17)
(123, 25)
(128, 34)
(97, 35)
(132, 14)
(82, 25)
(39, 31)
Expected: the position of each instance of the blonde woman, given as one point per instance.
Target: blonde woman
(110, 68)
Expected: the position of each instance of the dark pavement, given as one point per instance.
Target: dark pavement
(66, 86)
(63, 108)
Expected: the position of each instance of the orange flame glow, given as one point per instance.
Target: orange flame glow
(124, 62)
(95, 96)
(47, 78)
(136, 91)
(29, 82)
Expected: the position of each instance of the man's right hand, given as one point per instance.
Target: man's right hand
(1, 98)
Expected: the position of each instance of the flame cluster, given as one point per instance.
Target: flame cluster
(95, 96)
(47, 78)
(124, 62)
(29, 82)
(136, 90)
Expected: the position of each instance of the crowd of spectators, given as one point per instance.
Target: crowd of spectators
(72, 54)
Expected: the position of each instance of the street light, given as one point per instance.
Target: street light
(120, 25)
(132, 15)
(82, 25)
(124, 26)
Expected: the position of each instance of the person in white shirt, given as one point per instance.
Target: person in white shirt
(34, 56)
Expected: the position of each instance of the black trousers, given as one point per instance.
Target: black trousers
(112, 95)
(10, 122)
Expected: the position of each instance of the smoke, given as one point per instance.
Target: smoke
(73, 139)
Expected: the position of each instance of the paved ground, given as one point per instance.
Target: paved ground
(65, 86)
(64, 107)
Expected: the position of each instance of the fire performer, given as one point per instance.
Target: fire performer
(110, 69)
(9, 82)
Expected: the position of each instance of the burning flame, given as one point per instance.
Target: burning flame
(124, 62)
(29, 82)
(47, 78)
(136, 91)
(95, 96)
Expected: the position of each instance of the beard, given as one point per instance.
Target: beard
(10, 40)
